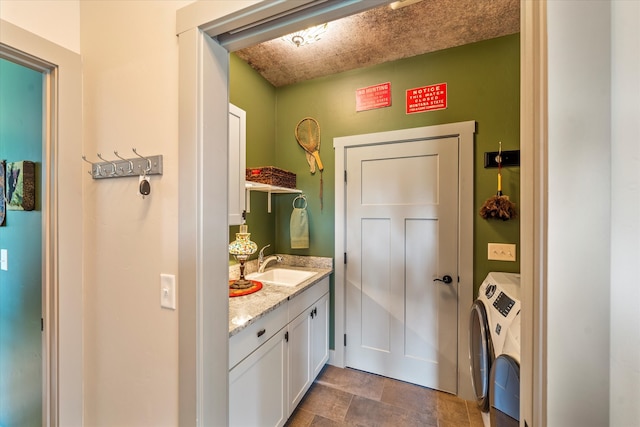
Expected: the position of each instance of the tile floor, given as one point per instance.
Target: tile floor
(347, 397)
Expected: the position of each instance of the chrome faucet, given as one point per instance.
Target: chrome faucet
(262, 261)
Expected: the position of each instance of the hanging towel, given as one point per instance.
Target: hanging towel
(299, 225)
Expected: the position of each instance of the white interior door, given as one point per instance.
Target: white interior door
(401, 235)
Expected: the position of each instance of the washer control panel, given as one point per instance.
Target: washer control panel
(503, 304)
(500, 293)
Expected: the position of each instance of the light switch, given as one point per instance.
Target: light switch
(168, 291)
(4, 261)
(501, 252)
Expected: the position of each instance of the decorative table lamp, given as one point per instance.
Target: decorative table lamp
(241, 249)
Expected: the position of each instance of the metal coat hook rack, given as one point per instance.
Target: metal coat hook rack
(121, 168)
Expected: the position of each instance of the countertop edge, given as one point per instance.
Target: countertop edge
(277, 295)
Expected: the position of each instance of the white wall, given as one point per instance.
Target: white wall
(579, 168)
(625, 215)
(55, 20)
(130, 54)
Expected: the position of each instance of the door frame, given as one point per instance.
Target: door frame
(464, 131)
(203, 252)
(62, 360)
(204, 15)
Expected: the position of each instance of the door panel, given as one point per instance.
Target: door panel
(299, 353)
(421, 236)
(378, 190)
(401, 234)
(258, 386)
(320, 336)
(376, 309)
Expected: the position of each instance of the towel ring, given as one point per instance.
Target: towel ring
(303, 197)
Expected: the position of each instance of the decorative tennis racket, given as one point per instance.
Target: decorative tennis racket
(308, 136)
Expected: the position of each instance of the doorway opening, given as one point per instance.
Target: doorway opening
(198, 58)
(21, 242)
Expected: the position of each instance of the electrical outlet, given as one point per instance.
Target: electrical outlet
(501, 252)
(168, 291)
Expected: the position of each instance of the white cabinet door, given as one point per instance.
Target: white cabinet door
(308, 348)
(237, 163)
(299, 351)
(258, 386)
(319, 336)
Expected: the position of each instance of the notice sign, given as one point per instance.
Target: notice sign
(372, 97)
(427, 98)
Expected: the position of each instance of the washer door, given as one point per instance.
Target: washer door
(505, 392)
(480, 353)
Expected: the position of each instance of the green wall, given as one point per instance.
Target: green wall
(483, 83)
(21, 285)
(249, 91)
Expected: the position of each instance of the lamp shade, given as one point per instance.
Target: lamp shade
(242, 245)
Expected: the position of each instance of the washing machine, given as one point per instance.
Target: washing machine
(494, 328)
(504, 382)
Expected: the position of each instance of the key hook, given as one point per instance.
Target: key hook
(130, 171)
(98, 171)
(148, 169)
(114, 172)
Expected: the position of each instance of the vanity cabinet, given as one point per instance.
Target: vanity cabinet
(274, 361)
(237, 164)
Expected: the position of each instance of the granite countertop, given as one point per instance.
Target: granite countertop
(245, 310)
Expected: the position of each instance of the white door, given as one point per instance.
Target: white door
(401, 235)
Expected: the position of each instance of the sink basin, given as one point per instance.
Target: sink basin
(282, 276)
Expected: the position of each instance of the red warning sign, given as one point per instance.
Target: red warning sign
(427, 98)
(371, 97)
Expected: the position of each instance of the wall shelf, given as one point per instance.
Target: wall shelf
(266, 188)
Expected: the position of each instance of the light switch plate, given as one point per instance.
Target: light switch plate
(4, 261)
(168, 291)
(501, 252)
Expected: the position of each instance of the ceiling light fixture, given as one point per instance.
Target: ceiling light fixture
(308, 36)
(402, 3)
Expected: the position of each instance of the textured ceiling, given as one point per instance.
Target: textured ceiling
(383, 34)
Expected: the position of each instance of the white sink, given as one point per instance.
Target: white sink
(282, 276)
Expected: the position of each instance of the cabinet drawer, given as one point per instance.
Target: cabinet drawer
(301, 302)
(249, 339)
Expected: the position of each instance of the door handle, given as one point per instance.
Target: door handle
(446, 279)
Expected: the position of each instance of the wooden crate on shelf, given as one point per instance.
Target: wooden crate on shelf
(272, 176)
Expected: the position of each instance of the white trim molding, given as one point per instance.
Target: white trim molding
(62, 212)
(533, 212)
